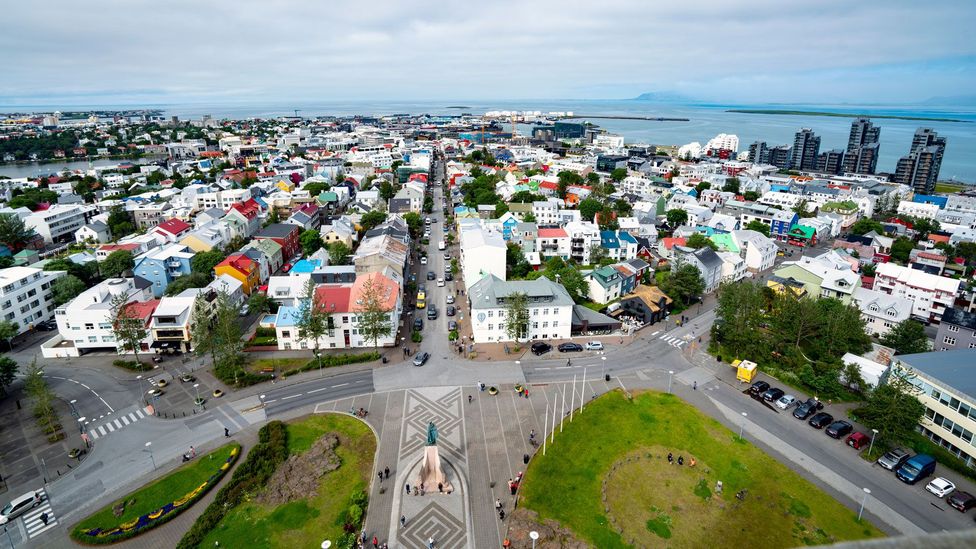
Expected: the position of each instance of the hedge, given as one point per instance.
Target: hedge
(270, 452)
(131, 365)
(334, 360)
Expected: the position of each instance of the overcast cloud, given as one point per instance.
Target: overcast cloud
(122, 52)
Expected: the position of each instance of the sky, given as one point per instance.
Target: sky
(130, 52)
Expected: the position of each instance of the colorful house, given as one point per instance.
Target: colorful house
(242, 268)
(285, 235)
(801, 235)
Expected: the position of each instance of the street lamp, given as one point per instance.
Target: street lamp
(319, 355)
(874, 433)
(81, 424)
(603, 367)
(196, 386)
(151, 457)
(867, 492)
(534, 535)
(743, 424)
(139, 377)
(670, 375)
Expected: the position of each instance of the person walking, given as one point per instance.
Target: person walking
(430, 542)
(386, 472)
(440, 487)
(380, 474)
(501, 514)
(44, 518)
(694, 385)
(498, 504)
(193, 452)
(670, 459)
(403, 521)
(226, 432)
(408, 488)
(376, 543)
(470, 398)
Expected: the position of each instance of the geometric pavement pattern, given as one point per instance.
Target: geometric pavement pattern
(443, 407)
(436, 522)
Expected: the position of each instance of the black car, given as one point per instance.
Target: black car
(758, 388)
(451, 310)
(804, 410)
(418, 324)
(451, 325)
(448, 276)
(431, 313)
(839, 429)
(821, 420)
(420, 359)
(570, 347)
(540, 348)
(773, 394)
(431, 275)
(413, 277)
(47, 326)
(963, 501)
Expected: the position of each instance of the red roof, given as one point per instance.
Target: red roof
(211, 154)
(931, 256)
(333, 298)
(141, 309)
(116, 247)
(239, 262)
(672, 242)
(549, 185)
(248, 209)
(174, 226)
(552, 233)
(936, 238)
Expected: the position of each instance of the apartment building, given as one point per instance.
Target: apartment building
(223, 199)
(482, 253)
(59, 222)
(85, 324)
(930, 294)
(957, 330)
(881, 312)
(161, 266)
(26, 297)
(550, 309)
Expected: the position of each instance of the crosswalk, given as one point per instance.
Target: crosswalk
(673, 341)
(33, 520)
(118, 423)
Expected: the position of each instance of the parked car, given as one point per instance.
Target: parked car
(570, 347)
(450, 299)
(594, 346)
(916, 468)
(187, 378)
(962, 501)
(418, 324)
(858, 440)
(423, 260)
(447, 256)
(807, 409)
(894, 458)
(431, 313)
(431, 275)
(440, 282)
(785, 402)
(451, 310)
(448, 276)
(839, 429)
(162, 383)
(451, 325)
(154, 392)
(820, 420)
(772, 395)
(421, 359)
(941, 487)
(47, 325)
(244, 310)
(540, 348)
(20, 505)
(758, 388)
(217, 393)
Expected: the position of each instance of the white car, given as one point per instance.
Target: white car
(785, 402)
(423, 260)
(941, 487)
(594, 346)
(440, 281)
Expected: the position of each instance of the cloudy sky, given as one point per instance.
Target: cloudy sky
(748, 51)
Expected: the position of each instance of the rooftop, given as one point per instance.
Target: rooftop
(954, 368)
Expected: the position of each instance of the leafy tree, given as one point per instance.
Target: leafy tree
(623, 208)
(923, 227)
(117, 263)
(415, 223)
(372, 219)
(607, 220)
(893, 408)
(120, 223)
(684, 283)
(526, 197)
(14, 233)
(204, 262)
(740, 312)
(868, 269)
(703, 186)
(618, 174)
(315, 188)
(67, 288)
(758, 226)
(732, 186)
(128, 328)
(517, 316)
(339, 253)
(597, 254)
(185, 282)
(907, 337)
(566, 274)
(699, 240)
(901, 249)
(676, 217)
(515, 262)
(373, 313)
(387, 191)
(8, 371)
(751, 196)
(852, 377)
(866, 225)
(234, 245)
(228, 335)
(312, 321)
(592, 178)
(589, 207)
(85, 272)
(529, 217)
(202, 329)
(311, 241)
(31, 198)
(259, 302)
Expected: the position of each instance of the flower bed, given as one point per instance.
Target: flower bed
(100, 535)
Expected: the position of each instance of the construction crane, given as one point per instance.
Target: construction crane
(296, 113)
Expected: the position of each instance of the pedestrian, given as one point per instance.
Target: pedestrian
(376, 543)
(362, 536)
(830, 401)
(498, 504)
(526, 392)
(481, 386)
(380, 474)
(386, 472)
(670, 459)
(403, 521)
(193, 452)
(501, 514)
(514, 487)
(470, 398)
(408, 489)
(44, 518)
(694, 385)
(568, 362)
(226, 432)
(681, 460)
(440, 487)
(430, 543)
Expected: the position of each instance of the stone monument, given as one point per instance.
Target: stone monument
(431, 473)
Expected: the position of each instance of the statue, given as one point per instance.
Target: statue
(431, 434)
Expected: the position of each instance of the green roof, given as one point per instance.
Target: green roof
(725, 242)
(806, 232)
(845, 205)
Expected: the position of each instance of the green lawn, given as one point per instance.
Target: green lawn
(943, 187)
(306, 522)
(157, 494)
(279, 364)
(657, 503)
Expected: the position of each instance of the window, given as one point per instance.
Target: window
(104, 325)
(501, 326)
(949, 340)
(545, 324)
(286, 333)
(92, 339)
(953, 329)
(491, 314)
(89, 326)
(491, 326)
(535, 325)
(501, 314)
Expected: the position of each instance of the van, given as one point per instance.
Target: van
(20, 505)
(916, 469)
(441, 246)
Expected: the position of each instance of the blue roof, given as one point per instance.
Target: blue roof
(608, 239)
(305, 266)
(779, 188)
(287, 317)
(626, 237)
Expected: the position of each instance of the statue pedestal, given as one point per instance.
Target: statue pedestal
(431, 472)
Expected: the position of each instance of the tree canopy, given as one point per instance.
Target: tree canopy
(907, 337)
(699, 240)
(566, 274)
(758, 226)
(588, 208)
(683, 283)
(13, 233)
(676, 217)
(117, 263)
(311, 241)
(66, 288)
(372, 219)
(204, 262)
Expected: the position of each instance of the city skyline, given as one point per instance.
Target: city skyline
(58, 53)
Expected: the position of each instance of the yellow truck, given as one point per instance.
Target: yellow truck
(746, 370)
(421, 299)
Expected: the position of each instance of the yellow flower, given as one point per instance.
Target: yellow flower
(155, 515)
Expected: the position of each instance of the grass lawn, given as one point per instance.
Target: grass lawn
(949, 188)
(658, 504)
(157, 494)
(280, 364)
(306, 522)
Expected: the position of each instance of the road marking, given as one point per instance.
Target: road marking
(93, 433)
(117, 424)
(292, 396)
(270, 401)
(562, 367)
(101, 430)
(655, 333)
(140, 414)
(133, 417)
(124, 420)
(74, 381)
(340, 385)
(360, 381)
(32, 519)
(546, 368)
(317, 390)
(109, 427)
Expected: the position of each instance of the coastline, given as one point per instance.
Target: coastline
(845, 115)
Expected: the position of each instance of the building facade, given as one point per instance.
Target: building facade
(26, 297)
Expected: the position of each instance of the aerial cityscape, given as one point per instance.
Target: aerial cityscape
(391, 285)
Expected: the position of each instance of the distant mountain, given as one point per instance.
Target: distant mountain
(952, 100)
(664, 97)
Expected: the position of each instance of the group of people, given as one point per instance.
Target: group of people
(513, 484)
(187, 456)
(361, 413)
(681, 460)
(376, 542)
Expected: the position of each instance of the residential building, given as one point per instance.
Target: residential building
(605, 283)
(85, 323)
(173, 230)
(806, 147)
(881, 312)
(211, 237)
(546, 213)
(780, 224)
(161, 266)
(384, 251)
(149, 214)
(171, 321)
(271, 251)
(96, 231)
(709, 264)
(26, 297)
(285, 235)
(919, 169)
(549, 304)
(242, 268)
(816, 277)
(930, 294)
(758, 251)
(916, 209)
(957, 330)
(553, 242)
(243, 217)
(482, 253)
(861, 155)
(222, 199)
(831, 162)
(59, 222)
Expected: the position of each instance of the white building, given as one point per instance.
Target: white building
(25, 295)
(917, 209)
(96, 231)
(930, 294)
(482, 253)
(57, 223)
(726, 141)
(220, 199)
(880, 311)
(758, 250)
(546, 212)
(550, 309)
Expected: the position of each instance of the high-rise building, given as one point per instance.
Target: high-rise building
(806, 146)
(781, 156)
(831, 161)
(862, 147)
(920, 168)
(759, 153)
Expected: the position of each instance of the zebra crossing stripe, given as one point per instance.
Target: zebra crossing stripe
(132, 417)
(140, 414)
(110, 428)
(93, 433)
(117, 424)
(124, 420)
(101, 430)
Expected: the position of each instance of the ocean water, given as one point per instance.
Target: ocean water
(705, 121)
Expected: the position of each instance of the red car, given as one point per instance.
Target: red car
(858, 440)
(286, 267)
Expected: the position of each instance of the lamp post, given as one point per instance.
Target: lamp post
(743, 424)
(151, 457)
(319, 355)
(670, 375)
(534, 535)
(874, 433)
(583, 391)
(139, 377)
(603, 367)
(196, 387)
(81, 424)
(867, 492)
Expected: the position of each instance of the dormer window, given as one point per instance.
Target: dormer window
(873, 307)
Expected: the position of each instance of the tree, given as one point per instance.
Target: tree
(703, 186)
(623, 208)
(204, 262)
(387, 191)
(699, 240)
(14, 233)
(228, 335)
(517, 316)
(339, 253)
(597, 254)
(923, 227)
(676, 217)
(373, 313)
(852, 377)
(527, 196)
(589, 207)
(906, 337)
(202, 329)
(185, 282)
(67, 288)
(684, 283)
(893, 408)
(128, 328)
(8, 371)
(901, 249)
(8, 329)
(117, 263)
(866, 225)
(259, 302)
(312, 321)
(592, 178)
(618, 174)
(414, 223)
(311, 241)
(120, 223)
(868, 269)
(732, 185)
(758, 226)
(515, 262)
(371, 219)
(607, 221)
(751, 196)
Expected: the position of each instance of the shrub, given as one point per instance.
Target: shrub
(416, 337)
(270, 452)
(265, 332)
(130, 365)
(334, 360)
(232, 372)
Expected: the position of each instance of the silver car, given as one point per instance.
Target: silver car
(892, 459)
(785, 402)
